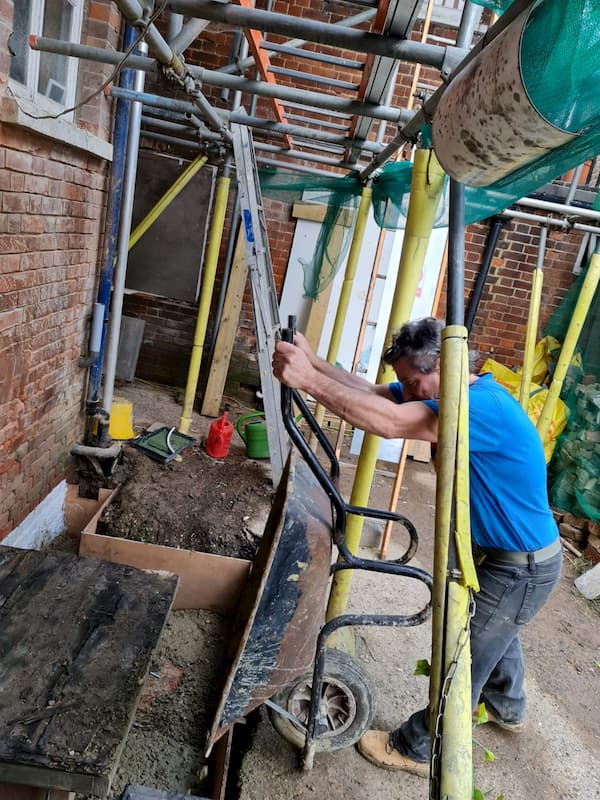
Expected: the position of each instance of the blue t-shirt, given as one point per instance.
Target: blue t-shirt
(507, 474)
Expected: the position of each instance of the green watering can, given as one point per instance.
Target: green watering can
(254, 434)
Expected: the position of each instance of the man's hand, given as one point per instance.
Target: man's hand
(291, 365)
(301, 343)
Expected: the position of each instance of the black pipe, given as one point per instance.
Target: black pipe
(490, 248)
(455, 296)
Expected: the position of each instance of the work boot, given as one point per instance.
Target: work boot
(511, 727)
(377, 747)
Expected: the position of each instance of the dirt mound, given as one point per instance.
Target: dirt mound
(198, 503)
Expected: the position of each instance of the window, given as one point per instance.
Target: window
(47, 78)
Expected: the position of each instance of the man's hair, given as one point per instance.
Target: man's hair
(420, 341)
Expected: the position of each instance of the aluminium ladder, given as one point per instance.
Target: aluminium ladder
(264, 296)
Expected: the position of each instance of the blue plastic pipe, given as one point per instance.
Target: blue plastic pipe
(113, 210)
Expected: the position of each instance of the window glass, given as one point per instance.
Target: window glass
(45, 75)
(53, 68)
(18, 41)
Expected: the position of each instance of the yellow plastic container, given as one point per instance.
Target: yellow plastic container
(120, 425)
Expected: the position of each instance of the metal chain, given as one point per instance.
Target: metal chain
(436, 745)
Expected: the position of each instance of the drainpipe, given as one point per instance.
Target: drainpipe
(96, 431)
(116, 310)
(490, 247)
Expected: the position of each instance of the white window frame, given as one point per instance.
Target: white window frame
(28, 90)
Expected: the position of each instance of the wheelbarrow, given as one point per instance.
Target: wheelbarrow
(318, 698)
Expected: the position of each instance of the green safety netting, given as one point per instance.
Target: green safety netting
(499, 6)
(574, 472)
(391, 192)
(341, 196)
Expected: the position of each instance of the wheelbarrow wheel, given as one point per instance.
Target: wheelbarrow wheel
(347, 704)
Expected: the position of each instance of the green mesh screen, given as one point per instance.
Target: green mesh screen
(340, 195)
(499, 6)
(574, 471)
(560, 63)
(391, 192)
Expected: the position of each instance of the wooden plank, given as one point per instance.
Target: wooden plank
(106, 501)
(205, 580)
(79, 511)
(315, 212)
(77, 636)
(213, 391)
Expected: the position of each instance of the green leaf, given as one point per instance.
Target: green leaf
(488, 755)
(423, 667)
(478, 794)
(480, 717)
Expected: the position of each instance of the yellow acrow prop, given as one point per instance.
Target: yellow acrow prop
(340, 316)
(425, 191)
(586, 295)
(208, 282)
(532, 326)
(450, 679)
(171, 193)
(456, 774)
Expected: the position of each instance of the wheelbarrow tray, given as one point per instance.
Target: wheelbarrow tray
(283, 604)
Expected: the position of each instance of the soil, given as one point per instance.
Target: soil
(189, 504)
(224, 505)
(165, 746)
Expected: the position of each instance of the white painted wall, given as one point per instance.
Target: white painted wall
(44, 523)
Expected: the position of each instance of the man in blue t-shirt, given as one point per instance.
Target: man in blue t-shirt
(514, 534)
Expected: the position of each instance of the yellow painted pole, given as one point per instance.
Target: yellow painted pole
(586, 295)
(453, 575)
(350, 273)
(208, 282)
(456, 776)
(171, 193)
(425, 191)
(532, 322)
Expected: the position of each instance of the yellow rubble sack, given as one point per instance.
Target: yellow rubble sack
(545, 358)
(537, 397)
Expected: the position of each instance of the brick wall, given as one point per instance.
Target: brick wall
(52, 199)
(500, 324)
(52, 207)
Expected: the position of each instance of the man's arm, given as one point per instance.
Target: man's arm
(368, 411)
(339, 374)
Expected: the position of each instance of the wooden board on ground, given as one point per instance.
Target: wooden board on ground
(77, 636)
(206, 581)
